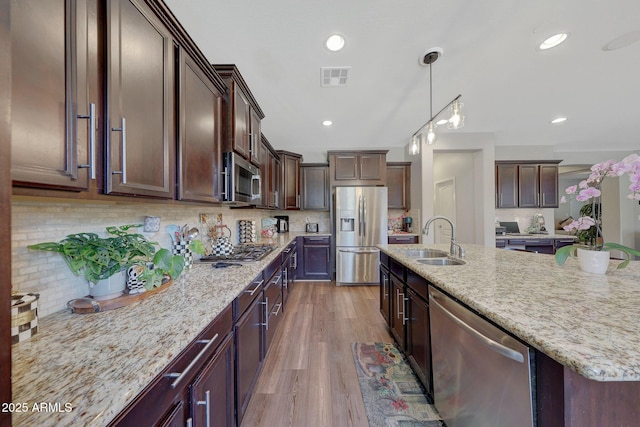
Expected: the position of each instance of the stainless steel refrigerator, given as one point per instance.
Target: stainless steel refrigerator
(360, 225)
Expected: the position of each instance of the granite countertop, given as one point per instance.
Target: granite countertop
(588, 322)
(99, 362)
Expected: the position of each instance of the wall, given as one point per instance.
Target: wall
(42, 220)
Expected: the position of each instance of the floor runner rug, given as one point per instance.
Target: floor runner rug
(393, 396)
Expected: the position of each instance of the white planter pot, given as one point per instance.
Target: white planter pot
(593, 261)
(109, 288)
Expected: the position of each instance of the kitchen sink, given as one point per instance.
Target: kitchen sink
(441, 261)
(425, 253)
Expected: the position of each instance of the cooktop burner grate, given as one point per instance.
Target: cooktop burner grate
(242, 253)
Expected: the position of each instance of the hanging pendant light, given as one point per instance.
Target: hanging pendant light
(456, 119)
(431, 135)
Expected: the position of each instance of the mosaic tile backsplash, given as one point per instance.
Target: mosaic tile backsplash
(35, 221)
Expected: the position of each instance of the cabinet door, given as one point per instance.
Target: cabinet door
(315, 187)
(345, 167)
(241, 123)
(177, 417)
(50, 125)
(418, 339)
(140, 106)
(506, 186)
(274, 182)
(398, 314)
(398, 181)
(528, 193)
(548, 186)
(254, 139)
(212, 393)
(248, 332)
(199, 148)
(316, 252)
(290, 182)
(372, 168)
(385, 300)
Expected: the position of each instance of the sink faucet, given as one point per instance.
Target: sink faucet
(455, 249)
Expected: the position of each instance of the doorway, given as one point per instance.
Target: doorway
(444, 205)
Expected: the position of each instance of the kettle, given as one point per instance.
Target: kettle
(282, 223)
(222, 245)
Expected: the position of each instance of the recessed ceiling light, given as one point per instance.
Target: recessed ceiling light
(558, 120)
(327, 123)
(553, 41)
(622, 41)
(335, 42)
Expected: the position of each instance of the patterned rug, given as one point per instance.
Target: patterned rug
(393, 396)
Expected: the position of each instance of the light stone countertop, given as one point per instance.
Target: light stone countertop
(99, 362)
(588, 322)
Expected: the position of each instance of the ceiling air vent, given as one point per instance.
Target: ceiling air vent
(334, 76)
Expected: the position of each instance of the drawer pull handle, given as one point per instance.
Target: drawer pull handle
(180, 375)
(253, 291)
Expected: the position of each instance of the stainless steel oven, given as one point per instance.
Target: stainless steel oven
(242, 184)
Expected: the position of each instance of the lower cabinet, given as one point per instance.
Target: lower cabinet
(170, 399)
(397, 318)
(418, 339)
(314, 258)
(402, 240)
(385, 301)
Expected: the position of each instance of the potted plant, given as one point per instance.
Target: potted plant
(592, 252)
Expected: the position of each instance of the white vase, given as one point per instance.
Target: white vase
(593, 261)
(109, 288)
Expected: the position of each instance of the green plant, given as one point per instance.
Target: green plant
(164, 263)
(99, 258)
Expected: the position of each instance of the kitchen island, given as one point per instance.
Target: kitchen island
(86, 368)
(585, 327)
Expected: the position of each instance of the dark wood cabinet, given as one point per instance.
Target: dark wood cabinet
(402, 239)
(358, 167)
(314, 257)
(315, 186)
(52, 118)
(290, 180)
(270, 174)
(506, 185)
(418, 330)
(397, 315)
(273, 305)
(213, 393)
(242, 115)
(527, 184)
(399, 184)
(289, 266)
(385, 288)
(199, 134)
(140, 111)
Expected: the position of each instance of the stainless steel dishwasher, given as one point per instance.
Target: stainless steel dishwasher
(481, 375)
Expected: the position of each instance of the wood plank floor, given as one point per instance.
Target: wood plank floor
(309, 377)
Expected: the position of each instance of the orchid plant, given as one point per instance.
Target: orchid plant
(588, 226)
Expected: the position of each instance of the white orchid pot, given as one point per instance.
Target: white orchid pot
(595, 262)
(109, 288)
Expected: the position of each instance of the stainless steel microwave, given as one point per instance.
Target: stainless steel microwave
(241, 181)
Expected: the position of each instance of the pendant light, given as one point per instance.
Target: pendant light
(456, 119)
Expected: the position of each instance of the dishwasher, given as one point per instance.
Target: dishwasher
(481, 374)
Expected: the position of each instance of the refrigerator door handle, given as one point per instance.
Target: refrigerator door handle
(360, 213)
(364, 217)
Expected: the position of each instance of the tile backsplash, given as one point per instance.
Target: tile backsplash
(35, 221)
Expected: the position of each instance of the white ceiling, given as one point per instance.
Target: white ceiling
(510, 89)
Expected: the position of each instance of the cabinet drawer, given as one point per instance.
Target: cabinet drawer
(397, 269)
(418, 284)
(395, 240)
(384, 260)
(273, 290)
(250, 293)
(315, 240)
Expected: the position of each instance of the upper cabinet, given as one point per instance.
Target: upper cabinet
(270, 175)
(531, 184)
(358, 167)
(199, 136)
(399, 181)
(290, 180)
(140, 136)
(315, 186)
(242, 116)
(53, 121)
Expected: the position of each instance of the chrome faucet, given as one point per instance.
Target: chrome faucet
(455, 249)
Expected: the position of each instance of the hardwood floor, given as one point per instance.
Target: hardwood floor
(309, 377)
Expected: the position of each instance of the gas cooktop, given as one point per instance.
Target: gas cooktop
(242, 253)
